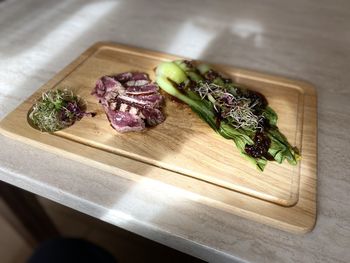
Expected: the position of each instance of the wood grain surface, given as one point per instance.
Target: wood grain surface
(184, 151)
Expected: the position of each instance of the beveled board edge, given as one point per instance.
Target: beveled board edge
(299, 218)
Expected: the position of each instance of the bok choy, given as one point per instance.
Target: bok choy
(234, 112)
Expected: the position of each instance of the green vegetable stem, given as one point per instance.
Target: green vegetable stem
(234, 112)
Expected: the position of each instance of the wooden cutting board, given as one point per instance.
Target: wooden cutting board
(184, 151)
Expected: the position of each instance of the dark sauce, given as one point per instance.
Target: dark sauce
(264, 124)
(189, 63)
(227, 80)
(261, 141)
(256, 98)
(180, 86)
(260, 147)
(211, 75)
(218, 118)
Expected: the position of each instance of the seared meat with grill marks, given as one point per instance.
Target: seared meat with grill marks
(130, 100)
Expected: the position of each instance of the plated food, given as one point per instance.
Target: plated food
(56, 110)
(233, 111)
(131, 102)
(183, 151)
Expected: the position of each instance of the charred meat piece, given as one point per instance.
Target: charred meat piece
(130, 100)
(136, 83)
(155, 99)
(152, 116)
(142, 90)
(125, 121)
(151, 100)
(123, 77)
(107, 84)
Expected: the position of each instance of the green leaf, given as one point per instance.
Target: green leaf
(203, 68)
(271, 115)
(189, 71)
(280, 148)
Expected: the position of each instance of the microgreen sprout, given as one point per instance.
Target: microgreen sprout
(57, 109)
(238, 110)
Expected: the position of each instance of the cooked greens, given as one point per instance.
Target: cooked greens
(236, 113)
(57, 109)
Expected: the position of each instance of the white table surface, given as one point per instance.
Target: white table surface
(301, 39)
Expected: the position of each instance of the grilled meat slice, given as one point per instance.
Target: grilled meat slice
(142, 90)
(125, 121)
(130, 101)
